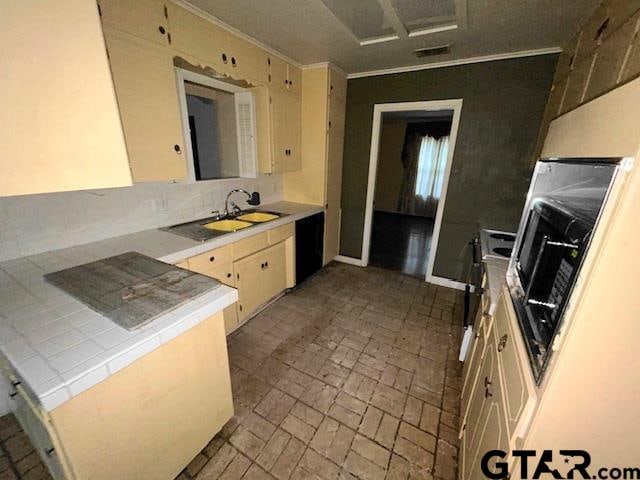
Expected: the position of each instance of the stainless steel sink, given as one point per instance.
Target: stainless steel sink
(201, 231)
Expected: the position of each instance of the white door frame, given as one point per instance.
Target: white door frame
(378, 110)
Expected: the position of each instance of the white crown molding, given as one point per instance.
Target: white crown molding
(207, 16)
(462, 61)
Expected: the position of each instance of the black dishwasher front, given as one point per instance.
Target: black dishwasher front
(309, 246)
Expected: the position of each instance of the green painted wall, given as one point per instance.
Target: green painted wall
(503, 103)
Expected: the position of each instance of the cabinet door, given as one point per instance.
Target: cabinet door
(37, 427)
(277, 72)
(250, 62)
(259, 277)
(294, 79)
(142, 18)
(519, 385)
(248, 274)
(492, 435)
(279, 130)
(485, 407)
(471, 370)
(286, 116)
(274, 275)
(333, 180)
(195, 36)
(145, 85)
(294, 128)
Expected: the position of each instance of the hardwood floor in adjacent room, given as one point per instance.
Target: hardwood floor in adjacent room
(401, 242)
(353, 374)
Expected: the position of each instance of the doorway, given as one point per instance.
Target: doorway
(411, 151)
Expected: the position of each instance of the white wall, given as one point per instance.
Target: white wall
(37, 223)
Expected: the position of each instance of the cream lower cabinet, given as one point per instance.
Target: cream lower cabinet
(146, 421)
(260, 267)
(498, 392)
(485, 426)
(260, 277)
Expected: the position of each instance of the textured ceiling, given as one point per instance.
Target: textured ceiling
(309, 32)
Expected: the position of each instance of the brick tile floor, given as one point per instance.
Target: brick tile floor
(353, 375)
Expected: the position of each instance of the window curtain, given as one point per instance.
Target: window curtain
(424, 175)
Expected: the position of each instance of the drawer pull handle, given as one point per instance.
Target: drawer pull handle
(49, 451)
(228, 275)
(212, 258)
(487, 382)
(13, 394)
(162, 30)
(503, 342)
(487, 393)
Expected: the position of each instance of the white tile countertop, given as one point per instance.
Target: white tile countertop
(59, 347)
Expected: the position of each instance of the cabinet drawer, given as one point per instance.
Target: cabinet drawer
(276, 235)
(210, 260)
(517, 381)
(250, 245)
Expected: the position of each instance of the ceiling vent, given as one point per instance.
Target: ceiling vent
(431, 51)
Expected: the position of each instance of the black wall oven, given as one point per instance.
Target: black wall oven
(553, 240)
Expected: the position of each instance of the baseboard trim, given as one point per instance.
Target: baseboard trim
(350, 260)
(447, 282)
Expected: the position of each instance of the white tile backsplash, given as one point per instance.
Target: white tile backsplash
(32, 224)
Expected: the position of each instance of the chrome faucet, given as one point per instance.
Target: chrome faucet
(254, 199)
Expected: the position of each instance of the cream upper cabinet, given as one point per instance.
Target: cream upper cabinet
(286, 130)
(62, 129)
(144, 79)
(278, 121)
(250, 62)
(294, 79)
(196, 37)
(142, 18)
(277, 72)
